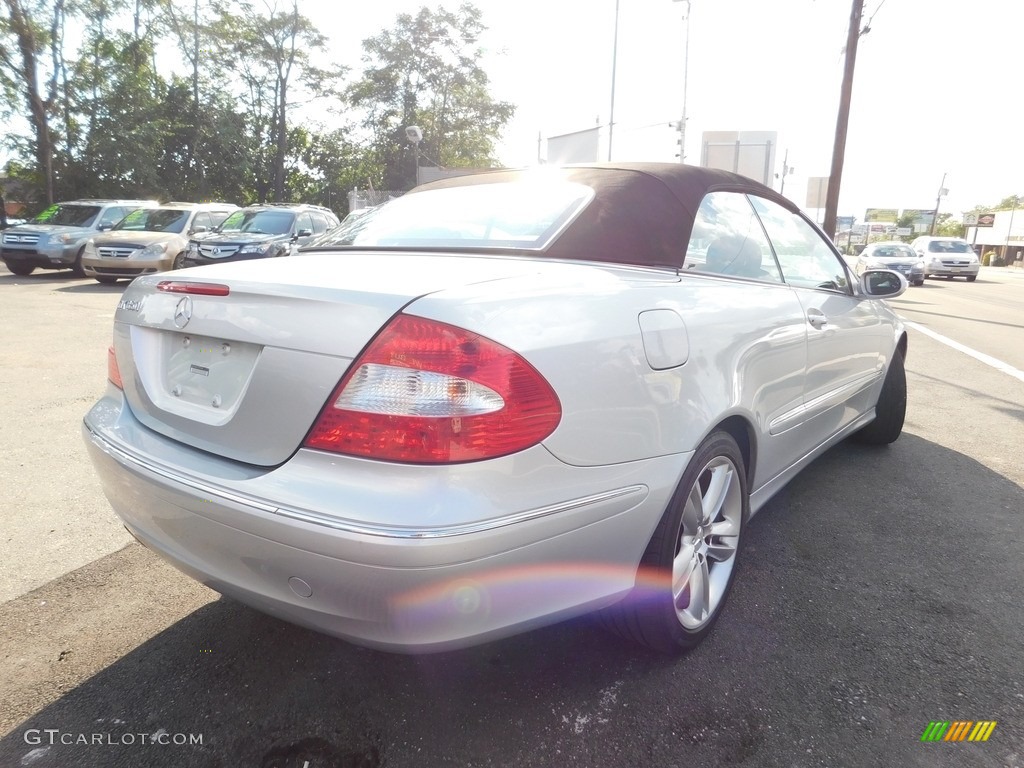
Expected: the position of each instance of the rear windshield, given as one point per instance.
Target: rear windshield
(68, 215)
(520, 216)
(949, 246)
(895, 252)
(155, 220)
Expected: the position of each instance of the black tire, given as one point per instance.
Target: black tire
(106, 280)
(19, 269)
(179, 261)
(76, 268)
(652, 615)
(919, 282)
(971, 278)
(891, 408)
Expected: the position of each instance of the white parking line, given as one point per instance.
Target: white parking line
(999, 365)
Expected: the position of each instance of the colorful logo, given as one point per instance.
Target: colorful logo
(958, 730)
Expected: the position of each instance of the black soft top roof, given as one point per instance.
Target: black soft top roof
(642, 213)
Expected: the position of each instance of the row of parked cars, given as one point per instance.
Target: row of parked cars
(110, 240)
(926, 256)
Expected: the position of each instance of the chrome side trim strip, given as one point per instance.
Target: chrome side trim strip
(364, 529)
(822, 403)
(107, 447)
(461, 530)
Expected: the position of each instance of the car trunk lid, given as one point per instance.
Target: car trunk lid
(244, 375)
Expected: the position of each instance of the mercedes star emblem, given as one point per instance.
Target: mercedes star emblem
(183, 312)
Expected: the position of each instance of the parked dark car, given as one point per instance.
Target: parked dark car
(260, 232)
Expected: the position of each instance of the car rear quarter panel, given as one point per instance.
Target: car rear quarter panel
(745, 356)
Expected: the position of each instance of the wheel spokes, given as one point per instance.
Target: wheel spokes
(691, 593)
(719, 485)
(708, 537)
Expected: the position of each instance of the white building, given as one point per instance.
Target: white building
(1005, 236)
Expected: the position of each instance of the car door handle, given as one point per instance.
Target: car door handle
(816, 318)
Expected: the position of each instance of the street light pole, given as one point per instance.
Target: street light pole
(786, 170)
(615, 54)
(686, 75)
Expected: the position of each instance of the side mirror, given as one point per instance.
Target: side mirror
(105, 226)
(305, 232)
(197, 230)
(883, 283)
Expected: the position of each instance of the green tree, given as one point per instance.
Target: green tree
(28, 40)
(426, 71)
(208, 159)
(268, 54)
(334, 165)
(948, 226)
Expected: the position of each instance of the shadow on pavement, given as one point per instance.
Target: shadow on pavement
(93, 287)
(878, 591)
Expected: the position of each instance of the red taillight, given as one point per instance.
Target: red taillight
(429, 393)
(198, 289)
(113, 372)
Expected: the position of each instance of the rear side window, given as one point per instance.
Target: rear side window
(727, 239)
(319, 222)
(112, 215)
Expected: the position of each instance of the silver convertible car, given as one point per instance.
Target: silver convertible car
(496, 402)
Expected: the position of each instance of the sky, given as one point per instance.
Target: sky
(934, 88)
(934, 99)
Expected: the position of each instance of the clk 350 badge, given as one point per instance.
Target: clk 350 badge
(131, 305)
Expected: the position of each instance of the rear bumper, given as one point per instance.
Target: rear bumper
(397, 557)
(944, 271)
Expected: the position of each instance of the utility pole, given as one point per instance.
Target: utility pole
(842, 121)
(938, 201)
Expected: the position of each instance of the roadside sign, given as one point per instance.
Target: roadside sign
(817, 191)
(986, 219)
(970, 219)
(903, 231)
(881, 214)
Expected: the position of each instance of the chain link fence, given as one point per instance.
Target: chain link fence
(367, 198)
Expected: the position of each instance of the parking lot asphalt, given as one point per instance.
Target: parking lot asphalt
(878, 592)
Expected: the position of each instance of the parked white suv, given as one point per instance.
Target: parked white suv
(947, 257)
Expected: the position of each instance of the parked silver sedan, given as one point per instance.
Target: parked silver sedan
(499, 401)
